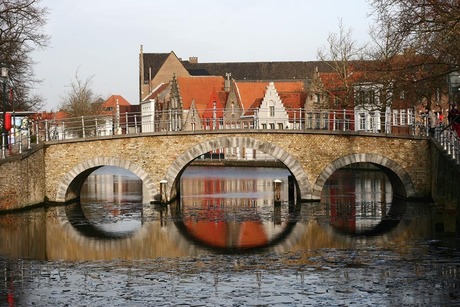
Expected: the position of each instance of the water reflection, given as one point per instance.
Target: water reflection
(225, 210)
(110, 204)
(359, 201)
(234, 213)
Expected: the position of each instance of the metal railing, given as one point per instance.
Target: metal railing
(18, 140)
(44, 130)
(449, 141)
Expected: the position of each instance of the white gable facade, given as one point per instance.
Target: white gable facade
(272, 113)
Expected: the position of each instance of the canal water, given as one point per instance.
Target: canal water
(233, 238)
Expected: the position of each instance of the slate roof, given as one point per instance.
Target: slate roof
(259, 70)
(240, 70)
(153, 61)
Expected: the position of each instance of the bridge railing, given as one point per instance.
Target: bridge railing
(171, 121)
(16, 141)
(216, 119)
(449, 141)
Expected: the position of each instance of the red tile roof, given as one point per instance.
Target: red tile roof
(219, 101)
(251, 93)
(112, 101)
(200, 90)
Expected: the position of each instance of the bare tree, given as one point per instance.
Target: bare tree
(430, 27)
(340, 55)
(21, 32)
(80, 101)
(416, 45)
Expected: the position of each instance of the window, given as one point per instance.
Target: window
(402, 117)
(374, 121)
(272, 110)
(318, 98)
(362, 121)
(264, 126)
(410, 116)
(395, 117)
(272, 126)
(325, 120)
(367, 96)
(280, 126)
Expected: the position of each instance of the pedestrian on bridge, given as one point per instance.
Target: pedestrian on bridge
(454, 119)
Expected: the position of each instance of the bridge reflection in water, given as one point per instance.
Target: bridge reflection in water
(223, 210)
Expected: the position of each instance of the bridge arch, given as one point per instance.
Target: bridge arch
(70, 185)
(400, 180)
(176, 168)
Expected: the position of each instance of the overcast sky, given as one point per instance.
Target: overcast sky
(102, 38)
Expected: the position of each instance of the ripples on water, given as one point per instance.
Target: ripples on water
(227, 221)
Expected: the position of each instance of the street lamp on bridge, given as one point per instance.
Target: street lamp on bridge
(454, 86)
(4, 78)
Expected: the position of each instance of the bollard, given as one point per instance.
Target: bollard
(291, 188)
(277, 215)
(277, 191)
(163, 184)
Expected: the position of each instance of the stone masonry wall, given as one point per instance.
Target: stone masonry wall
(314, 152)
(22, 180)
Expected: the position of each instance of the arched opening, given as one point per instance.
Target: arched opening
(109, 205)
(224, 189)
(175, 170)
(69, 187)
(400, 180)
(362, 200)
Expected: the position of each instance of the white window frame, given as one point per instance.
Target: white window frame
(402, 117)
(395, 118)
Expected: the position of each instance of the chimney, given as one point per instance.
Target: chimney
(193, 60)
(227, 82)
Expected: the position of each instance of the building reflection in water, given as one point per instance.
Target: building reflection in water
(228, 210)
(111, 202)
(359, 198)
(233, 210)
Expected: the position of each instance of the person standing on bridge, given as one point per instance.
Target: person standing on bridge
(454, 119)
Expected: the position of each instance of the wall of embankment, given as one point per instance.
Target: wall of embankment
(22, 180)
(445, 187)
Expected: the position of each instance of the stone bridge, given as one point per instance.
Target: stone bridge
(310, 156)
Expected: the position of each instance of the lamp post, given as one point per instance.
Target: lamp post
(4, 78)
(454, 86)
